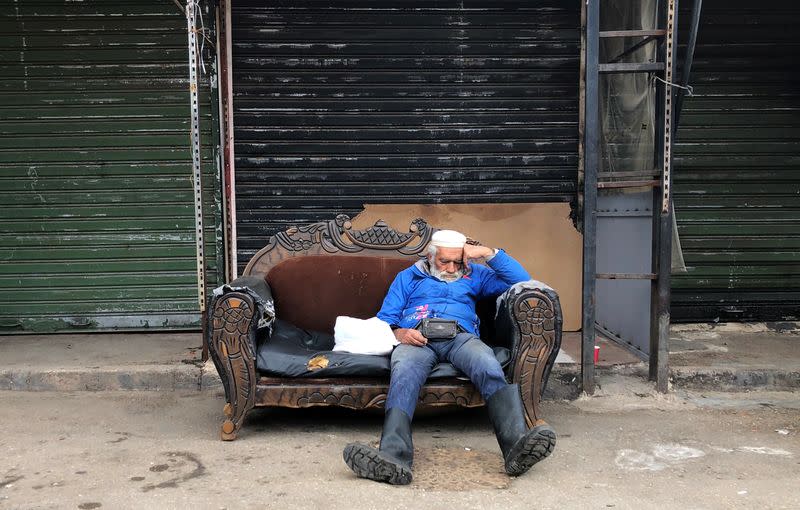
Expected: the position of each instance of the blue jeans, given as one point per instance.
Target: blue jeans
(411, 366)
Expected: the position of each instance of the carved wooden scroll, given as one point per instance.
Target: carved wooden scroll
(338, 236)
(537, 315)
(232, 348)
(358, 393)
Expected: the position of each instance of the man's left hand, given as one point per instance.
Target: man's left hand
(472, 252)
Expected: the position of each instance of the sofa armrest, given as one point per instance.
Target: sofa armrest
(258, 288)
(529, 319)
(238, 311)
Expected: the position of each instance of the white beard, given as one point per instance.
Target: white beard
(445, 276)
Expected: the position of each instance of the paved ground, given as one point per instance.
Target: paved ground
(623, 448)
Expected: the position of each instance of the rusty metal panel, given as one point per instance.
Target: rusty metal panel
(97, 225)
(337, 104)
(737, 166)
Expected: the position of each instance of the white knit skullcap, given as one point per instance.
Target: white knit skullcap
(448, 239)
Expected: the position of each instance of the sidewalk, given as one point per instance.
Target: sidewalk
(161, 361)
(736, 356)
(720, 357)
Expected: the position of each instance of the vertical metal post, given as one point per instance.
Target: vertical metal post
(217, 133)
(688, 61)
(581, 121)
(591, 165)
(219, 127)
(191, 6)
(228, 172)
(662, 220)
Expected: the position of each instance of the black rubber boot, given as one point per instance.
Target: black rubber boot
(392, 462)
(522, 448)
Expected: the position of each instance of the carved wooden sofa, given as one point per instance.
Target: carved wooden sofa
(343, 271)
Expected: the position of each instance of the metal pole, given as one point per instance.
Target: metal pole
(197, 181)
(689, 60)
(223, 137)
(662, 222)
(581, 123)
(191, 6)
(228, 168)
(591, 165)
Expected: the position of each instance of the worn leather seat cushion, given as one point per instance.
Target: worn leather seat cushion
(294, 352)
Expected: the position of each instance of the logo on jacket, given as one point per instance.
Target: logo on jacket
(421, 312)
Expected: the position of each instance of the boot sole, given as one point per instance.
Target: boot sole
(537, 445)
(367, 462)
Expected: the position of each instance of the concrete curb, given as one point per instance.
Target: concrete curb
(209, 378)
(564, 382)
(734, 379)
(175, 377)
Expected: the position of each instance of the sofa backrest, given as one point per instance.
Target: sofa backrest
(322, 270)
(311, 291)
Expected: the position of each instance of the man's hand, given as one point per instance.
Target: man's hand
(472, 252)
(410, 337)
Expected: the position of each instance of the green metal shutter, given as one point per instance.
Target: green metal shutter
(737, 166)
(97, 213)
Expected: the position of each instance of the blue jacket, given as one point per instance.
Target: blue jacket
(415, 294)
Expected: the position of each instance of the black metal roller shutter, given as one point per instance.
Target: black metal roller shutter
(737, 167)
(337, 104)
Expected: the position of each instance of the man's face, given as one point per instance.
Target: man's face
(448, 263)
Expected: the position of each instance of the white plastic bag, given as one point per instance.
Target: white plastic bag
(363, 336)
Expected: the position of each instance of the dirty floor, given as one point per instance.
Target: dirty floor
(626, 447)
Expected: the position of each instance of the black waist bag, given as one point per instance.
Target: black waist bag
(438, 329)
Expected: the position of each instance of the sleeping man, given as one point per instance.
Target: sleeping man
(431, 308)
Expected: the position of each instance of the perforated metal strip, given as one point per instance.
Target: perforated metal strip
(191, 7)
(666, 178)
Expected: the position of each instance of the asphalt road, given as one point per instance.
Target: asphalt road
(620, 449)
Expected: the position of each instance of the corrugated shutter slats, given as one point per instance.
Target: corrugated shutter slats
(338, 104)
(737, 167)
(95, 168)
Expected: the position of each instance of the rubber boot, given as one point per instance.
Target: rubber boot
(522, 448)
(391, 463)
